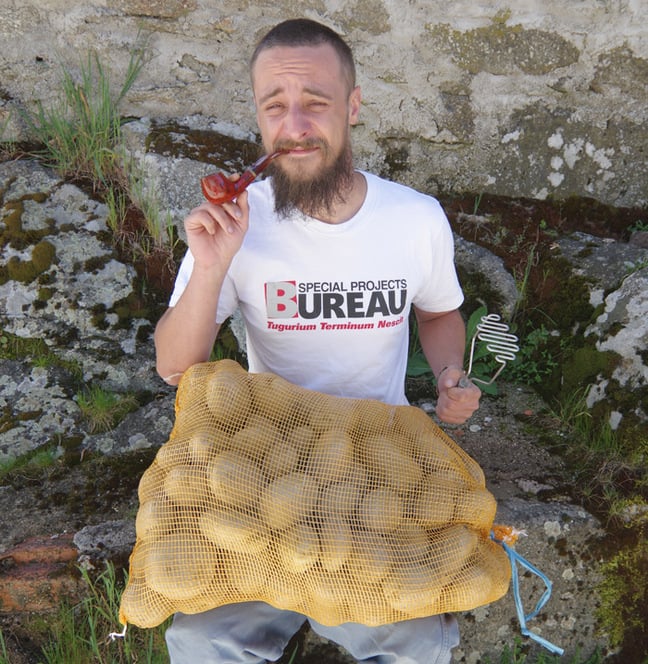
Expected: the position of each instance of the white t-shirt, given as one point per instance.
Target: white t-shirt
(326, 305)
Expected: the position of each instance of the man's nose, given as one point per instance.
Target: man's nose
(296, 123)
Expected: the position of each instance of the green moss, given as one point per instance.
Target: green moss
(131, 307)
(223, 152)
(96, 264)
(584, 365)
(562, 297)
(499, 48)
(42, 255)
(13, 347)
(44, 295)
(624, 597)
(13, 234)
(26, 271)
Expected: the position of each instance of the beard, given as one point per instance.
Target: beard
(317, 194)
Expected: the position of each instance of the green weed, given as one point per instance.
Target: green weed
(81, 135)
(31, 463)
(103, 409)
(81, 633)
(516, 655)
(82, 129)
(536, 359)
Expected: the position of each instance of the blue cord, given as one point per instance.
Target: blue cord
(515, 558)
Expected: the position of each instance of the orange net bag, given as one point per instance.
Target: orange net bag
(345, 510)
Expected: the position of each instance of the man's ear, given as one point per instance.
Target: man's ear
(355, 99)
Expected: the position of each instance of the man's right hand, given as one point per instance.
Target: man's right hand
(215, 232)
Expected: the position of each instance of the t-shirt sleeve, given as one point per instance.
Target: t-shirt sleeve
(227, 302)
(441, 290)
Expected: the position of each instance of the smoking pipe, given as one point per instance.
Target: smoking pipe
(218, 188)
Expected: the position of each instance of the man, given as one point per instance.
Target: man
(324, 262)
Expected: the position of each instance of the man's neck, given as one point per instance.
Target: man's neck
(349, 204)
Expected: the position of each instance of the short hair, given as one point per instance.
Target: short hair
(305, 32)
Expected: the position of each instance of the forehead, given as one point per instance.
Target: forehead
(294, 65)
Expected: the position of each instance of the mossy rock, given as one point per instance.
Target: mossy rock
(26, 271)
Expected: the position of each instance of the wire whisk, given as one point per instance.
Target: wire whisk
(499, 341)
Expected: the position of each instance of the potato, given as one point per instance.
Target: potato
(247, 575)
(329, 412)
(151, 484)
(277, 399)
(392, 466)
(287, 590)
(142, 606)
(336, 540)
(367, 605)
(410, 542)
(339, 499)
(179, 566)
(234, 530)
(331, 458)
(202, 447)
(381, 510)
(298, 548)
(186, 485)
(370, 417)
(469, 588)
(228, 398)
(234, 478)
(154, 517)
(281, 458)
(301, 437)
(411, 588)
(476, 508)
(435, 502)
(174, 452)
(255, 439)
(434, 450)
(330, 593)
(286, 500)
(371, 556)
(450, 548)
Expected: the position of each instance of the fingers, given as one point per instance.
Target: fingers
(456, 404)
(209, 218)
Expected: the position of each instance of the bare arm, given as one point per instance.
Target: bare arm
(443, 339)
(186, 332)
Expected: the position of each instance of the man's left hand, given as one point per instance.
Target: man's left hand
(456, 404)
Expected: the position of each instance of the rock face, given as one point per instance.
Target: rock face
(520, 99)
(617, 280)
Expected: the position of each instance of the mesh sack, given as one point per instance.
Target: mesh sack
(345, 510)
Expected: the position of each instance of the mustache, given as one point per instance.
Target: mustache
(306, 144)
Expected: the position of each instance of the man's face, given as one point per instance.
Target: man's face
(305, 104)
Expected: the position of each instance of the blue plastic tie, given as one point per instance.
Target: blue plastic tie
(515, 558)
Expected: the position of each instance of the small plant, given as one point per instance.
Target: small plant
(103, 409)
(80, 633)
(516, 655)
(536, 359)
(639, 226)
(30, 463)
(484, 364)
(4, 654)
(80, 133)
(477, 203)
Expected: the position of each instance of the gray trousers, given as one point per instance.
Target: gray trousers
(255, 633)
